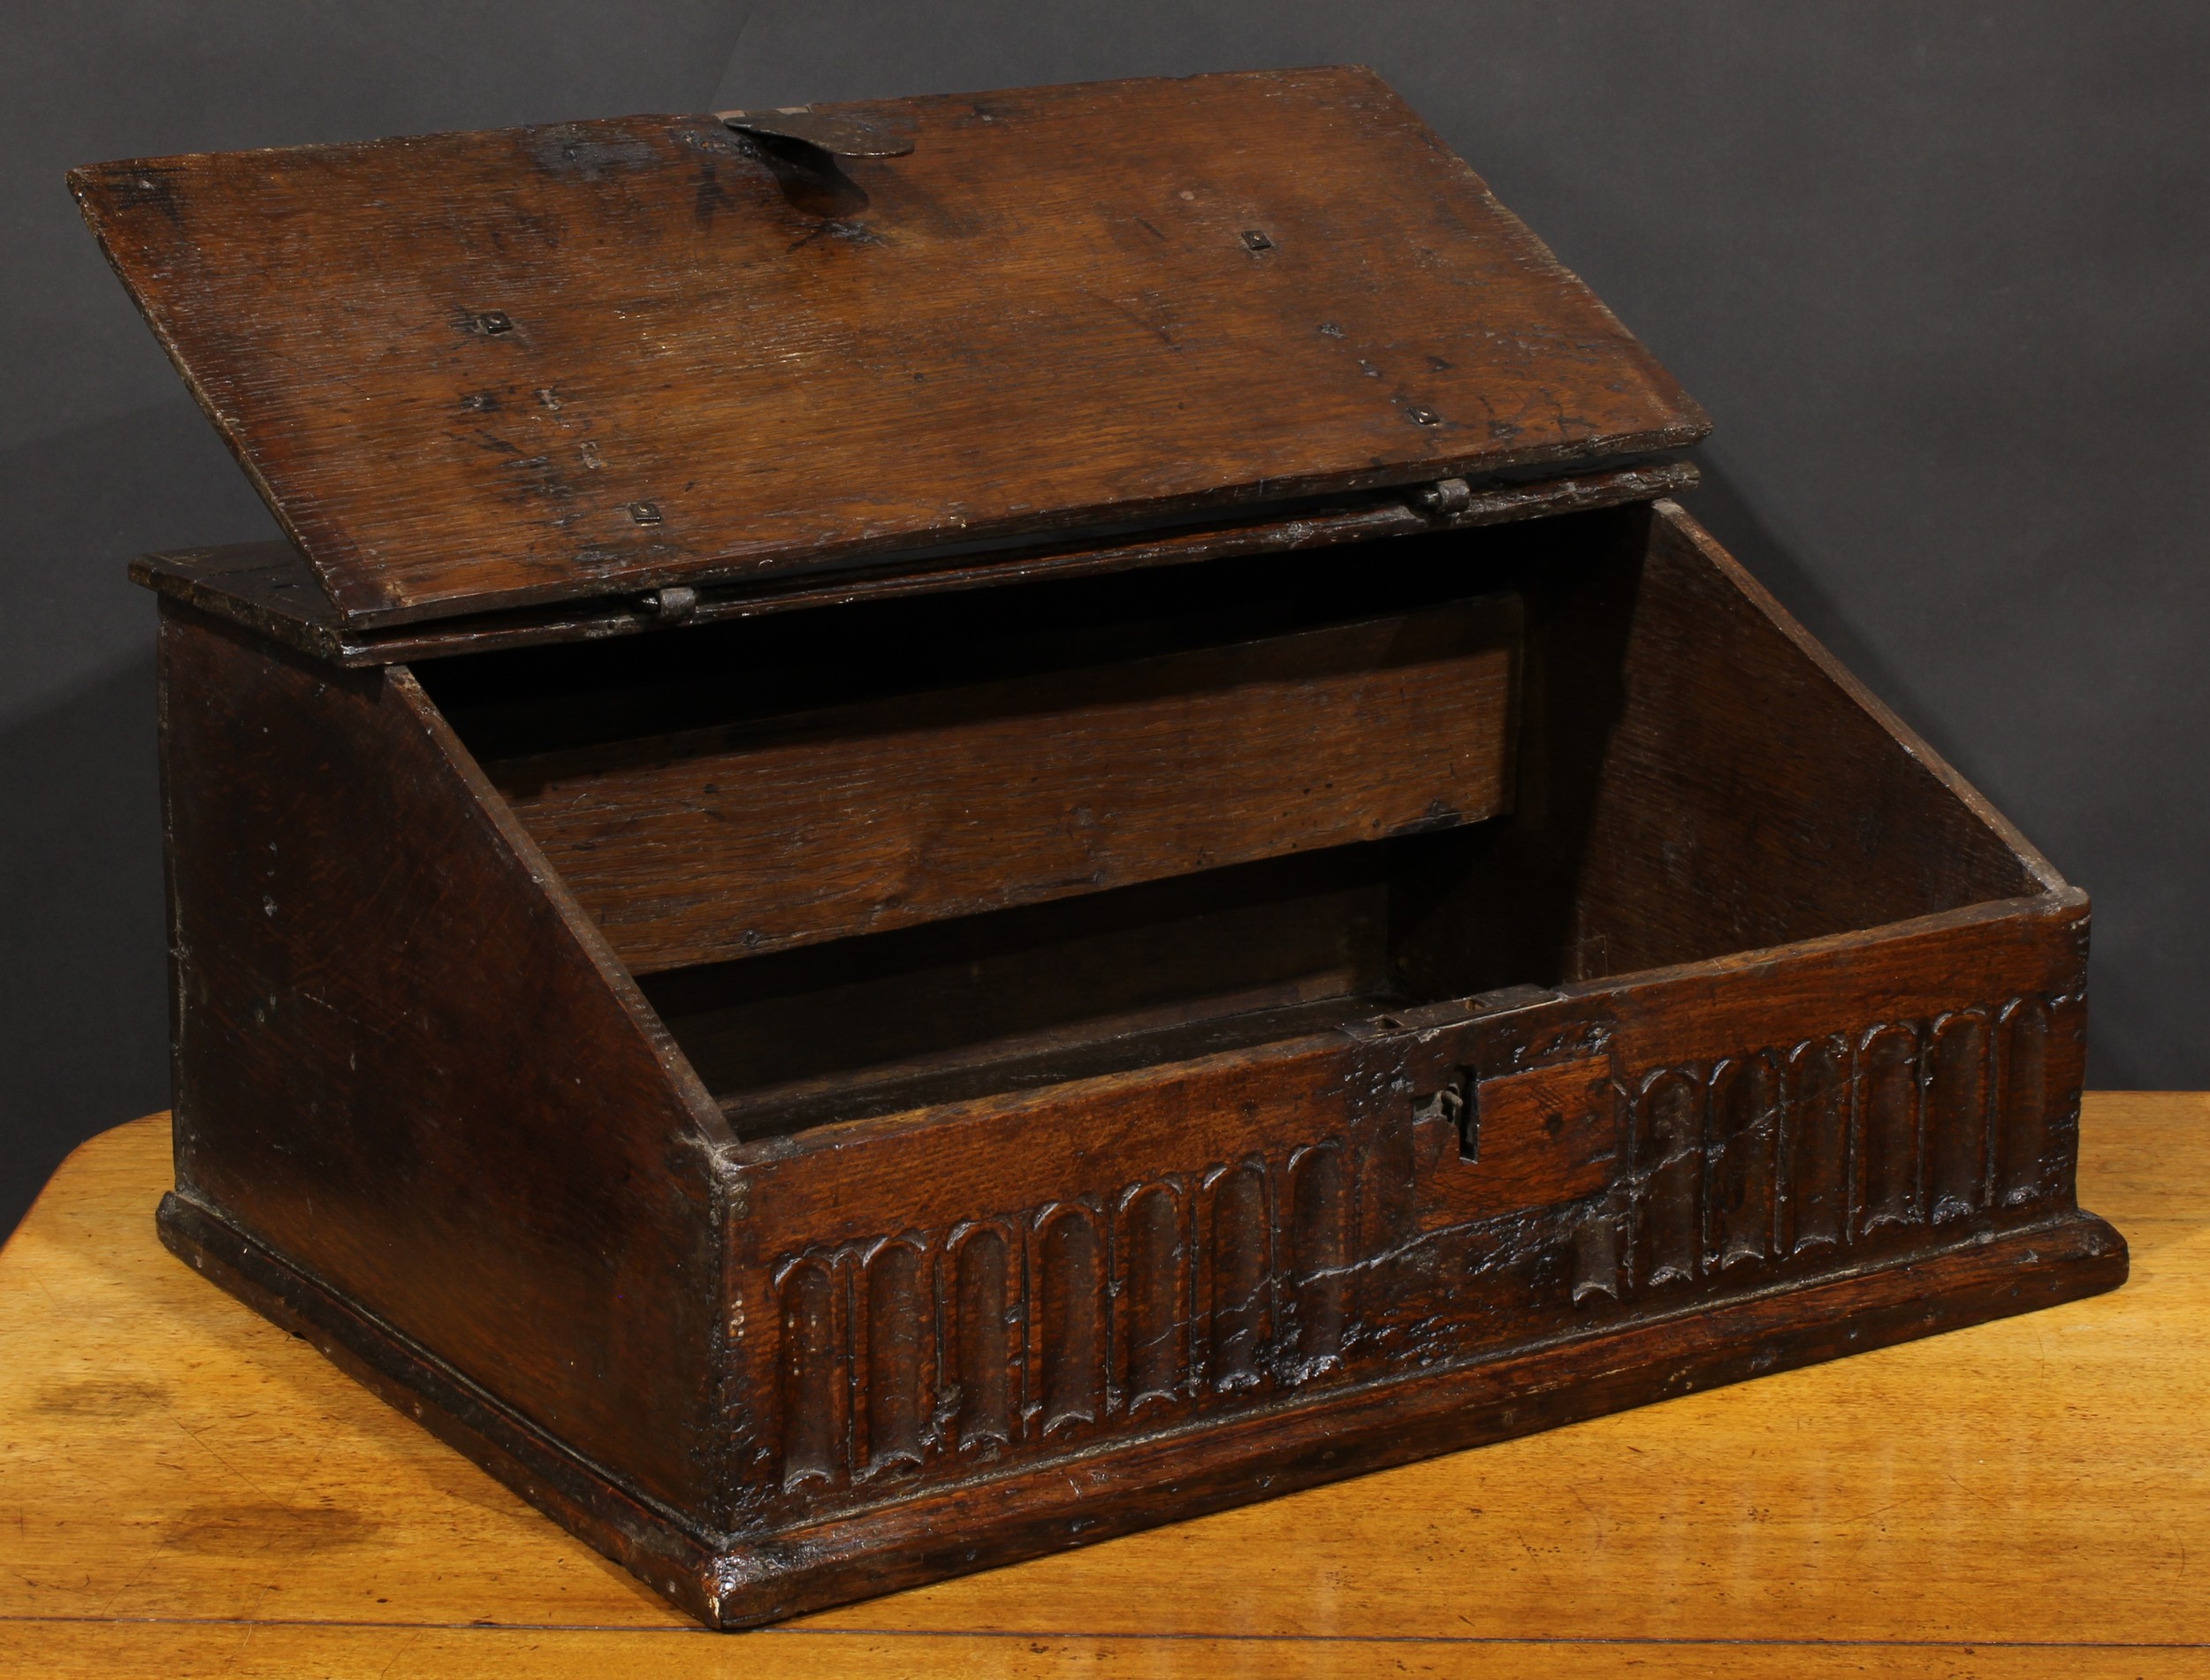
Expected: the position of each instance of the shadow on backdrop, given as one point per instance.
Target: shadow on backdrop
(84, 1032)
(84, 1041)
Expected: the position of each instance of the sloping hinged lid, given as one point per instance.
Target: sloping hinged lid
(482, 370)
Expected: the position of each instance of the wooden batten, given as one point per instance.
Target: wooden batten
(743, 841)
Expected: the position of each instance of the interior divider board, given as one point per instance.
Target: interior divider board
(1075, 986)
(724, 843)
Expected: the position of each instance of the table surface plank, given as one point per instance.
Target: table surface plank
(185, 1489)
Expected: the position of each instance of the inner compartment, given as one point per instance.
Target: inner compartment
(1093, 985)
(868, 857)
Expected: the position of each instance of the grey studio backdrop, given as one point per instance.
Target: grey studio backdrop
(1938, 271)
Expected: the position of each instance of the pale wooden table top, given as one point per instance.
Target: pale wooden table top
(185, 1490)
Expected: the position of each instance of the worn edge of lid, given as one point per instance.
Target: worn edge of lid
(200, 577)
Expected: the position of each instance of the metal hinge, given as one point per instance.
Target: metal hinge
(673, 604)
(1444, 496)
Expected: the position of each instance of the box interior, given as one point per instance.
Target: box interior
(869, 857)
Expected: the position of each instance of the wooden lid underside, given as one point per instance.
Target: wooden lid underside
(482, 371)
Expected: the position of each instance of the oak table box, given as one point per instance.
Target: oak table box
(962, 823)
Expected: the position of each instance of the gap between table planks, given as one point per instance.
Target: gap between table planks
(185, 1489)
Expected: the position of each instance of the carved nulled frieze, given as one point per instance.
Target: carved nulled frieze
(1786, 1157)
(1957, 1124)
(1068, 1349)
(1578, 1181)
(1887, 1125)
(1815, 1212)
(1320, 1259)
(1239, 1273)
(2024, 1148)
(898, 1334)
(1049, 1325)
(982, 1329)
(1742, 1192)
(1668, 1150)
(815, 1384)
(1154, 1316)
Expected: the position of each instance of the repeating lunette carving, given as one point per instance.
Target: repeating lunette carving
(1789, 1155)
(1173, 1295)
(1243, 1279)
(1239, 1273)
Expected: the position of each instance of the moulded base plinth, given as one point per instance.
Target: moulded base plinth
(732, 1582)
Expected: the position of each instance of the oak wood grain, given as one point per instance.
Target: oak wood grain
(1202, 1282)
(477, 371)
(1752, 1037)
(740, 841)
(270, 588)
(188, 1490)
(306, 913)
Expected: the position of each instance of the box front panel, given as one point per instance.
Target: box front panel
(1853, 1109)
(984, 1288)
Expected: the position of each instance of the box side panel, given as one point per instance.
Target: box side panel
(403, 1067)
(1696, 777)
(967, 1292)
